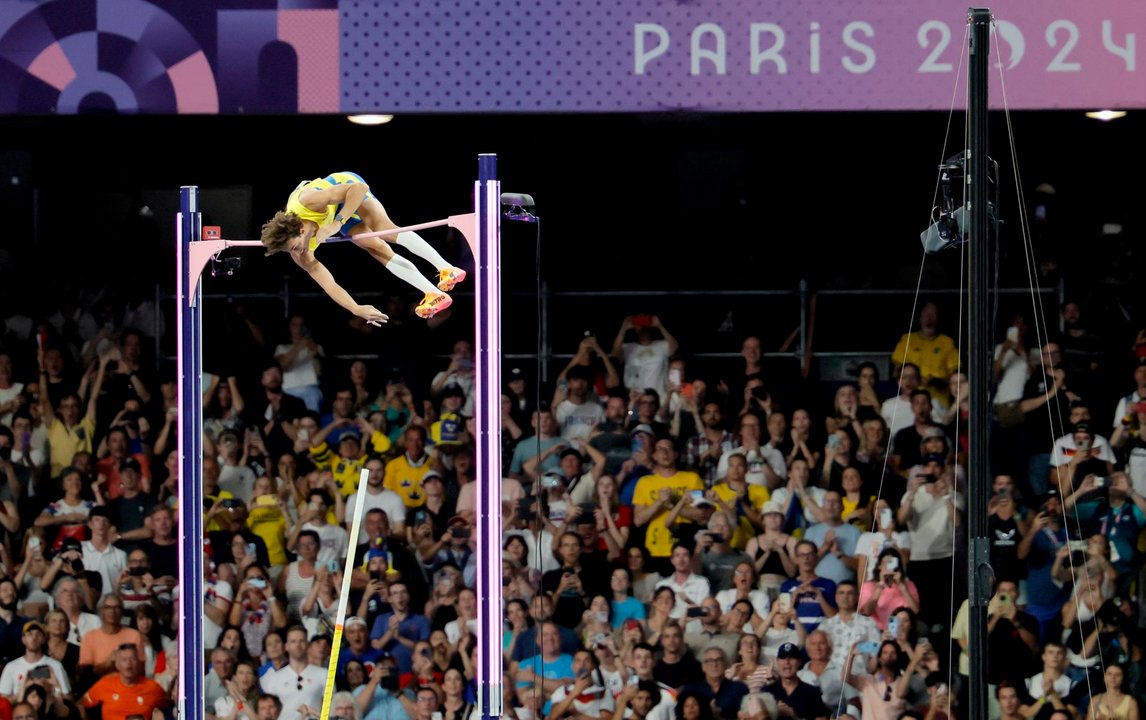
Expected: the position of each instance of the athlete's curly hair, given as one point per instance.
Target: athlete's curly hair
(279, 230)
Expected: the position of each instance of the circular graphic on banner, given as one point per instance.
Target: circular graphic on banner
(125, 56)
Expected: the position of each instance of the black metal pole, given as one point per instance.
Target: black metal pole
(979, 361)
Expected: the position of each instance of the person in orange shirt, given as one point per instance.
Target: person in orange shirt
(126, 693)
(97, 656)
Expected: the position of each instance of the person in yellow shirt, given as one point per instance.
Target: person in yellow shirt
(267, 518)
(404, 473)
(343, 203)
(934, 353)
(653, 497)
(68, 433)
(346, 465)
(747, 500)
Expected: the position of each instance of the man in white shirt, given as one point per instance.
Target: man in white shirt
(897, 411)
(847, 627)
(575, 407)
(1052, 683)
(586, 695)
(377, 496)
(297, 683)
(1012, 366)
(33, 666)
(766, 464)
(1065, 447)
(690, 589)
(99, 554)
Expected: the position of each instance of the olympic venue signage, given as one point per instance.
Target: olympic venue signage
(565, 56)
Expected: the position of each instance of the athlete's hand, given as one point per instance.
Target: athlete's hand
(371, 314)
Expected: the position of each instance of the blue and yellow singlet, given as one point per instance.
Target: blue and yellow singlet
(320, 217)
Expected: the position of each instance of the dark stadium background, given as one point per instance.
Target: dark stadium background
(658, 203)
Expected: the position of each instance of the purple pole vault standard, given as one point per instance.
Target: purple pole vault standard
(190, 489)
(487, 419)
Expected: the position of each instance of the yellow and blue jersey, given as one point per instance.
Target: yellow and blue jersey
(322, 217)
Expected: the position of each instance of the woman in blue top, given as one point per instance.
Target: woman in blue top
(625, 606)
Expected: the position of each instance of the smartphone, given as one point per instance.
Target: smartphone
(252, 550)
(640, 321)
(696, 495)
(258, 583)
(785, 601)
(1077, 545)
(332, 565)
(892, 564)
(34, 542)
(1013, 334)
(893, 626)
(550, 481)
(870, 647)
(885, 518)
(674, 377)
(1099, 481)
(460, 532)
(40, 672)
(265, 500)
(696, 611)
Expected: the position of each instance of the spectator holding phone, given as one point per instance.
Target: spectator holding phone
(320, 607)
(1120, 518)
(1087, 457)
(812, 596)
(932, 509)
(1040, 548)
(378, 697)
(782, 628)
(645, 356)
(454, 549)
(33, 667)
(889, 590)
(1129, 439)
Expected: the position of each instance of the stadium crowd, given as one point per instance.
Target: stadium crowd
(679, 543)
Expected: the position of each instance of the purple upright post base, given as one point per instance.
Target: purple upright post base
(487, 418)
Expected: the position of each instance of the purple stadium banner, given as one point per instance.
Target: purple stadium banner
(320, 56)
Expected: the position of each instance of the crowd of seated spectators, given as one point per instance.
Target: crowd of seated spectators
(729, 542)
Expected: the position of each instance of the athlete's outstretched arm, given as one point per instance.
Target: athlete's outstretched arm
(326, 281)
